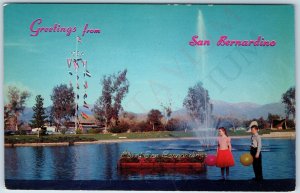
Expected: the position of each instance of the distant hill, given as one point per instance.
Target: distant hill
(241, 110)
(220, 108)
(28, 112)
(247, 110)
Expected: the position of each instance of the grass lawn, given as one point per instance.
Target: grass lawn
(93, 137)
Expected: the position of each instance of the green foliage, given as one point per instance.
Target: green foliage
(197, 103)
(154, 118)
(108, 106)
(128, 157)
(17, 101)
(173, 125)
(290, 124)
(94, 131)
(43, 131)
(39, 115)
(63, 108)
(78, 131)
(46, 139)
(288, 99)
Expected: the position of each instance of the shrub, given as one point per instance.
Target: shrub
(122, 127)
(290, 124)
(78, 131)
(94, 131)
(20, 132)
(173, 125)
(144, 126)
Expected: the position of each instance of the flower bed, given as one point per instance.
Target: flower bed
(193, 160)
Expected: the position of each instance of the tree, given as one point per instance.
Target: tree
(109, 104)
(7, 118)
(154, 118)
(63, 107)
(39, 115)
(288, 99)
(17, 102)
(197, 103)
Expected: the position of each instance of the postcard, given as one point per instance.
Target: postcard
(191, 97)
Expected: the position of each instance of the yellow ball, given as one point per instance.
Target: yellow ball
(246, 159)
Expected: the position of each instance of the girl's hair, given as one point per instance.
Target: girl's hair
(224, 130)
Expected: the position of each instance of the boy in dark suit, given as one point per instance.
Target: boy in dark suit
(255, 151)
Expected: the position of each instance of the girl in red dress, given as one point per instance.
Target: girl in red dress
(224, 155)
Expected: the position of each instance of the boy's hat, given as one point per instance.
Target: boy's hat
(253, 123)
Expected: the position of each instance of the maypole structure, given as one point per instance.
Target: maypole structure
(76, 59)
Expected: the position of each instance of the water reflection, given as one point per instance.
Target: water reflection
(99, 161)
(63, 162)
(39, 161)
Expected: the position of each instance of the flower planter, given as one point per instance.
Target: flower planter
(161, 165)
(162, 162)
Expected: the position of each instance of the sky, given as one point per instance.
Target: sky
(152, 43)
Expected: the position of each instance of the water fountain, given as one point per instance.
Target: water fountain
(202, 129)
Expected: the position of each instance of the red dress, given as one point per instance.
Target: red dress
(224, 155)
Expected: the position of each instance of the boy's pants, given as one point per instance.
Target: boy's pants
(257, 166)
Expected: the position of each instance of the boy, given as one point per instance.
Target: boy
(256, 151)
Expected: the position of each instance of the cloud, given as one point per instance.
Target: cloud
(22, 45)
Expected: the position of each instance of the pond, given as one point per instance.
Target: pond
(99, 161)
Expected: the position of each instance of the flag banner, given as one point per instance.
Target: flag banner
(84, 63)
(70, 73)
(88, 73)
(85, 96)
(75, 65)
(77, 96)
(86, 106)
(85, 116)
(85, 85)
(69, 62)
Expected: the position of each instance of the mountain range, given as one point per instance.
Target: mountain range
(244, 110)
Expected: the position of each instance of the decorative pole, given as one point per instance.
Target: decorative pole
(76, 57)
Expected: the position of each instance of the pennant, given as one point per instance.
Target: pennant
(78, 39)
(84, 62)
(85, 84)
(69, 62)
(85, 96)
(75, 64)
(85, 105)
(70, 73)
(77, 96)
(79, 59)
(85, 116)
(77, 77)
(88, 73)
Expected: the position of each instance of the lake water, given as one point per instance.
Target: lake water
(99, 161)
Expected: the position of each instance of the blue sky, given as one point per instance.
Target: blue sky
(152, 42)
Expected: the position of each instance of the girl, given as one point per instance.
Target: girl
(224, 155)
